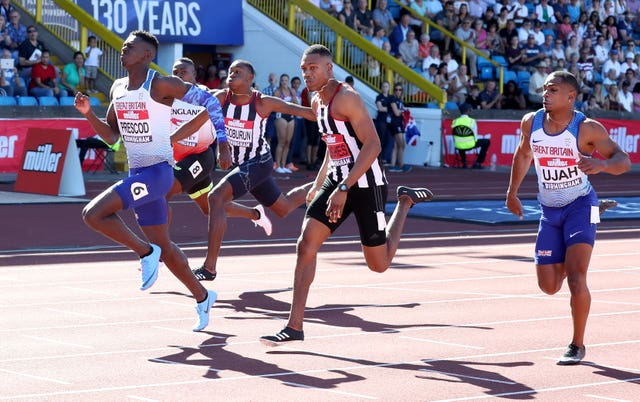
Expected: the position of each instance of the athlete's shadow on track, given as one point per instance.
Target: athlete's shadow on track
(450, 371)
(214, 357)
(265, 307)
(626, 376)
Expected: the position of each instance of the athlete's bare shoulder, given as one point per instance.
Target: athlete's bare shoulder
(525, 124)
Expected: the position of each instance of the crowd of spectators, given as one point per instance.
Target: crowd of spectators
(26, 66)
(593, 39)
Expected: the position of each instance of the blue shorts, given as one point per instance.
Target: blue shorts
(255, 176)
(565, 226)
(145, 190)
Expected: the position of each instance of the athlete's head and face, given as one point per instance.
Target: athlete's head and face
(241, 76)
(185, 69)
(316, 67)
(140, 47)
(559, 91)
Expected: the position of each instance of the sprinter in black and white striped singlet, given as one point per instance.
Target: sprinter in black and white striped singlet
(245, 117)
(351, 180)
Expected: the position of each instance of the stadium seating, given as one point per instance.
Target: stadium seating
(48, 101)
(27, 101)
(93, 101)
(7, 101)
(66, 100)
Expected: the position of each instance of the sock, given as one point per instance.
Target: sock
(149, 253)
(205, 298)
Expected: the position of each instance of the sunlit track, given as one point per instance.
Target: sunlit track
(286, 242)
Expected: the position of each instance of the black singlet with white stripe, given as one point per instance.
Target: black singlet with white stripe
(343, 147)
(245, 129)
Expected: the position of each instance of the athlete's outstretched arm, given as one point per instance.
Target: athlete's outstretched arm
(279, 105)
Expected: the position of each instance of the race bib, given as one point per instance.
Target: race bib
(338, 149)
(239, 132)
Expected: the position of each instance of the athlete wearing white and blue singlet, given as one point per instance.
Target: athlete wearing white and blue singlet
(562, 142)
(139, 113)
(351, 180)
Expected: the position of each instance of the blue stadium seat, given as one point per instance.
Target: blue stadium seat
(394, 9)
(27, 101)
(551, 32)
(67, 100)
(451, 105)
(484, 62)
(500, 60)
(93, 101)
(510, 75)
(7, 101)
(48, 101)
(524, 86)
(523, 75)
(486, 73)
(433, 105)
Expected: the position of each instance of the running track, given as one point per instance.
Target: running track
(458, 316)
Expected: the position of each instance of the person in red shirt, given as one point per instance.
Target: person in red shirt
(44, 79)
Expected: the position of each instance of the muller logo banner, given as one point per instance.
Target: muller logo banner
(49, 164)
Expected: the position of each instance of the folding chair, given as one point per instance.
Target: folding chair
(103, 154)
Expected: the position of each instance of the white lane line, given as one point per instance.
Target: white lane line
(469, 376)
(139, 398)
(442, 343)
(37, 377)
(333, 391)
(85, 290)
(55, 310)
(76, 345)
(541, 390)
(607, 398)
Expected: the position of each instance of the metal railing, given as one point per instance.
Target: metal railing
(355, 54)
(72, 25)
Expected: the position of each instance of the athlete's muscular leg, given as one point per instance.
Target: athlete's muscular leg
(379, 258)
(219, 198)
(174, 259)
(576, 265)
(313, 235)
(550, 277)
(101, 215)
(290, 201)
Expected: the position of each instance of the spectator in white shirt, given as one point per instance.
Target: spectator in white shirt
(612, 63)
(524, 31)
(625, 97)
(629, 63)
(545, 14)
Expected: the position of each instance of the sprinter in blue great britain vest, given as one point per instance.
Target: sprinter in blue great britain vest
(562, 141)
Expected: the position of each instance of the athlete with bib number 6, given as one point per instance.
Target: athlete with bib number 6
(139, 113)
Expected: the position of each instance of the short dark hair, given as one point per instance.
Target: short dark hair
(349, 79)
(246, 64)
(146, 37)
(185, 60)
(567, 78)
(319, 50)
